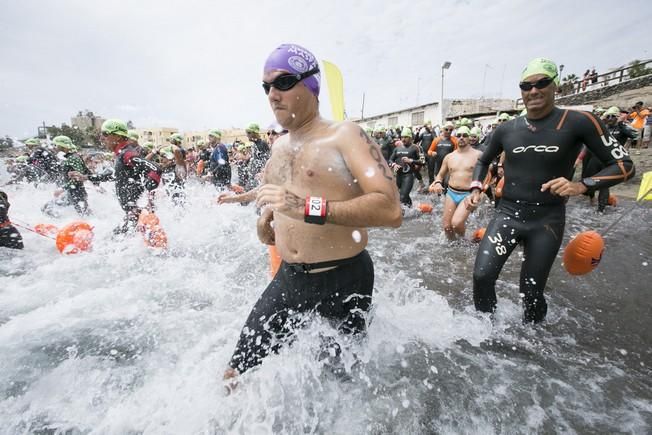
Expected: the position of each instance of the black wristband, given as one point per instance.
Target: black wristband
(315, 211)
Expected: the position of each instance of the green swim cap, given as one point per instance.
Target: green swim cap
(175, 137)
(463, 130)
(599, 110)
(215, 132)
(253, 128)
(22, 159)
(167, 153)
(201, 142)
(32, 141)
(115, 126)
(465, 121)
(475, 131)
(504, 117)
(64, 142)
(613, 110)
(148, 146)
(133, 134)
(406, 132)
(523, 112)
(543, 66)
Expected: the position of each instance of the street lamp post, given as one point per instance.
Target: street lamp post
(444, 66)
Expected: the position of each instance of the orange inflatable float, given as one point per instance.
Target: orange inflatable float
(613, 200)
(499, 188)
(478, 234)
(424, 207)
(274, 260)
(200, 167)
(46, 229)
(74, 238)
(583, 253)
(153, 234)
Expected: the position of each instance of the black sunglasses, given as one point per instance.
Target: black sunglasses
(464, 135)
(285, 82)
(539, 84)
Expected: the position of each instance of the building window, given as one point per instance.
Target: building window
(417, 118)
(392, 121)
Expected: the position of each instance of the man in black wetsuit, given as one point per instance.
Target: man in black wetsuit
(9, 236)
(405, 160)
(426, 136)
(260, 153)
(540, 150)
(43, 159)
(385, 143)
(441, 147)
(132, 173)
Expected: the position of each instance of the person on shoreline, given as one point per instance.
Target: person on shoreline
(132, 174)
(325, 183)
(540, 151)
(458, 167)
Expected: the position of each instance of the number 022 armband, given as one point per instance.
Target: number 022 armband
(315, 212)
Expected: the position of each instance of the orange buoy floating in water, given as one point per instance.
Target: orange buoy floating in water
(274, 260)
(46, 229)
(613, 200)
(478, 234)
(153, 234)
(200, 167)
(499, 188)
(424, 207)
(75, 237)
(583, 253)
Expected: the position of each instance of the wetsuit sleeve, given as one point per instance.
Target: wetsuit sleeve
(618, 166)
(148, 171)
(627, 131)
(494, 148)
(392, 158)
(433, 147)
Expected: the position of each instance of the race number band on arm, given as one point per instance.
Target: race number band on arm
(315, 212)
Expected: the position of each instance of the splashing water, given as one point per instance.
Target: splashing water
(121, 340)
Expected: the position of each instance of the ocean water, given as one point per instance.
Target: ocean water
(126, 340)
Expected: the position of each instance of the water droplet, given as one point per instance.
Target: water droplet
(357, 237)
(449, 280)
(330, 169)
(406, 403)
(370, 172)
(644, 263)
(294, 116)
(400, 349)
(434, 370)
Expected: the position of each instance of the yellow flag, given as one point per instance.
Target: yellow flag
(335, 89)
(645, 190)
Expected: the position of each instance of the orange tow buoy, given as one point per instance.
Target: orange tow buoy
(200, 167)
(424, 207)
(478, 234)
(74, 238)
(154, 235)
(46, 229)
(499, 188)
(274, 260)
(613, 200)
(583, 253)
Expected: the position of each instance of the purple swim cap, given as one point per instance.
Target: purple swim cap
(296, 60)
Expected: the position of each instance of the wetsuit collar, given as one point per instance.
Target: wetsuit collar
(120, 147)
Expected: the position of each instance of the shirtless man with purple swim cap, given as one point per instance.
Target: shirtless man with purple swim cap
(325, 183)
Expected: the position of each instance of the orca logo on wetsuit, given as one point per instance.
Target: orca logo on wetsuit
(537, 149)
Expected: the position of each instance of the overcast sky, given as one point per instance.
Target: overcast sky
(197, 64)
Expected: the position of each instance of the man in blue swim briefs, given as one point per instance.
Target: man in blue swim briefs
(458, 165)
